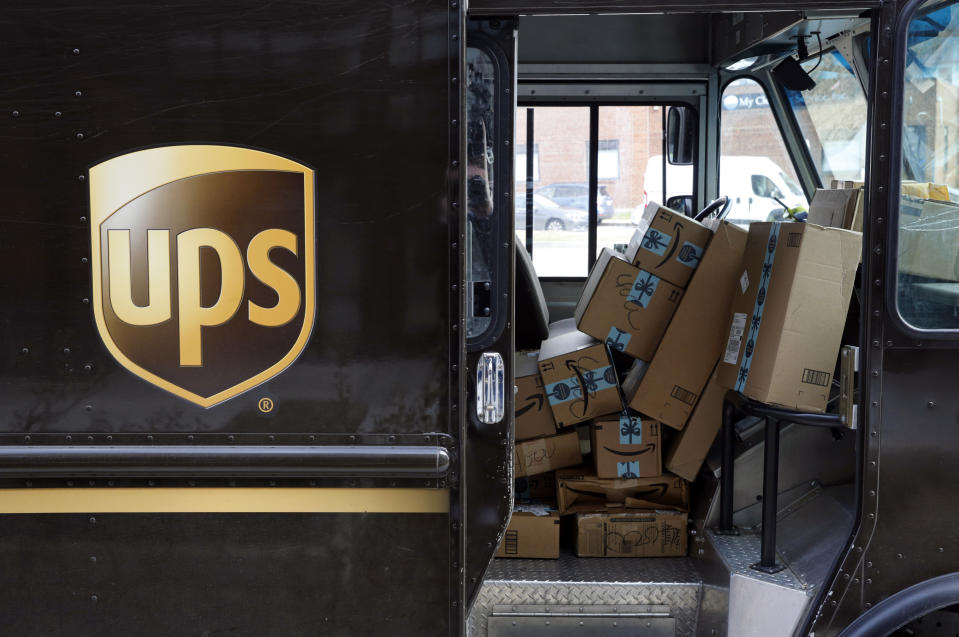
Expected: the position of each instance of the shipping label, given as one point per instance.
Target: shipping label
(735, 338)
(684, 395)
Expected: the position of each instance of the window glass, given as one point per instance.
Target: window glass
(755, 170)
(832, 118)
(560, 185)
(480, 237)
(633, 135)
(928, 259)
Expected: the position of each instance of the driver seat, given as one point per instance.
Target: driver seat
(531, 325)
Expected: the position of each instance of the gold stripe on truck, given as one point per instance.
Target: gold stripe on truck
(224, 500)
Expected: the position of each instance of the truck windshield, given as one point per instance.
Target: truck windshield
(832, 117)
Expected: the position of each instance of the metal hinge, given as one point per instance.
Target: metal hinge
(848, 367)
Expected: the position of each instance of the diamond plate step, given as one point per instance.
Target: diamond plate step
(667, 582)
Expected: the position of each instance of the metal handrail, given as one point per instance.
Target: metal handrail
(733, 403)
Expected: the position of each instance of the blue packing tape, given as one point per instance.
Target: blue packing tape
(628, 469)
(690, 255)
(630, 430)
(656, 241)
(752, 333)
(643, 289)
(596, 380)
(618, 339)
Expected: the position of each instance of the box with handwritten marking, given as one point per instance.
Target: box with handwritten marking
(667, 244)
(625, 306)
(641, 533)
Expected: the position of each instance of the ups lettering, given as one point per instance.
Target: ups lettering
(193, 316)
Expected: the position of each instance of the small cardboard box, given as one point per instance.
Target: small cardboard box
(533, 416)
(652, 533)
(546, 454)
(626, 446)
(667, 244)
(579, 378)
(695, 337)
(532, 533)
(688, 449)
(788, 313)
(929, 239)
(579, 489)
(625, 306)
(837, 208)
(541, 486)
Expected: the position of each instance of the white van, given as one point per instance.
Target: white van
(747, 180)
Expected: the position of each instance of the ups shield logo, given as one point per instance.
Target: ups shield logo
(203, 266)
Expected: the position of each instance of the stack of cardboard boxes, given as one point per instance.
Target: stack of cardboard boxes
(700, 310)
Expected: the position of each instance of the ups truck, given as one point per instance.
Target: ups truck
(263, 277)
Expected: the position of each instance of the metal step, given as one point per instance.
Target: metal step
(590, 590)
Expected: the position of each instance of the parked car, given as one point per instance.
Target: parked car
(576, 195)
(549, 215)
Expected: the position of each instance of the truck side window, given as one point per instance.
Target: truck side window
(755, 170)
(481, 229)
(928, 255)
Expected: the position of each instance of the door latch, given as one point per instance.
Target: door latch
(490, 388)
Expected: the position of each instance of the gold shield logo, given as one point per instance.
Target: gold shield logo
(203, 266)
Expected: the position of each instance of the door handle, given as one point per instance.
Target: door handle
(490, 388)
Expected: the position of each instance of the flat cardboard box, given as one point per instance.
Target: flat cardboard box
(626, 446)
(668, 244)
(788, 313)
(929, 239)
(652, 533)
(920, 190)
(579, 378)
(546, 454)
(837, 208)
(579, 489)
(688, 449)
(533, 416)
(695, 337)
(625, 306)
(531, 535)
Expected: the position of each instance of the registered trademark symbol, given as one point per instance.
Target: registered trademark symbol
(265, 405)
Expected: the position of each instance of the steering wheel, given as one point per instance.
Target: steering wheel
(718, 207)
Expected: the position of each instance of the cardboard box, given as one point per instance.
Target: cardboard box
(788, 313)
(929, 239)
(688, 449)
(625, 306)
(532, 533)
(579, 489)
(546, 454)
(667, 244)
(626, 447)
(541, 486)
(653, 533)
(695, 337)
(837, 208)
(533, 416)
(579, 378)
